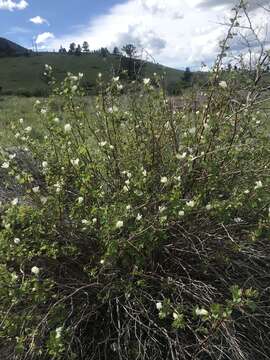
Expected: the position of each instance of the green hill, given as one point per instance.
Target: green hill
(9, 48)
(24, 75)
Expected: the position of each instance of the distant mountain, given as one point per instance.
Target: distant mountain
(9, 48)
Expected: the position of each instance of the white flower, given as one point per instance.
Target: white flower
(37, 102)
(164, 180)
(85, 222)
(128, 207)
(35, 189)
(208, 207)
(258, 184)
(119, 87)
(246, 191)
(139, 217)
(15, 201)
(223, 84)
(94, 221)
(181, 156)
(161, 209)
(80, 199)
(116, 78)
(99, 75)
(181, 213)
(81, 75)
(35, 270)
(67, 128)
(125, 188)
(43, 111)
(102, 261)
(75, 162)
(56, 120)
(12, 156)
(146, 81)
(17, 241)
(28, 129)
(58, 332)
(159, 305)
(74, 88)
(43, 200)
(5, 165)
(44, 164)
(201, 312)
(144, 173)
(103, 143)
(238, 220)
(21, 121)
(119, 224)
(190, 203)
(175, 315)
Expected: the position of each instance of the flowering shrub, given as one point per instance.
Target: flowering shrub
(141, 232)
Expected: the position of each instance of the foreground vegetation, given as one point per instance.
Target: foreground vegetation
(138, 231)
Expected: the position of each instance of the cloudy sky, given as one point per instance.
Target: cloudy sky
(176, 33)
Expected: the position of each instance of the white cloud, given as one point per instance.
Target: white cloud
(44, 37)
(38, 20)
(176, 33)
(13, 5)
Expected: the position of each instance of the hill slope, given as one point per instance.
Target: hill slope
(9, 48)
(24, 75)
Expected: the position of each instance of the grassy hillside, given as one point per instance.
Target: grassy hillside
(24, 75)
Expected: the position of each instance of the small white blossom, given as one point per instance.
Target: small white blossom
(208, 207)
(35, 270)
(164, 180)
(15, 201)
(181, 213)
(181, 156)
(28, 129)
(238, 220)
(128, 207)
(80, 199)
(12, 156)
(81, 75)
(17, 241)
(67, 128)
(125, 188)
(85, 222)
(35, 189)
(103, 143)
(44, 164)
(58, 332)
(175, 315)
(102, 261)
(223, 84)
(159, 305)
(43, 111)
(139, 217)
(21, 121)
(201, 312)
(5, 165)
(190, 203)
(56, 120)
(258, 185)
(116, 78)
(94, 221)
(119, 224)
(146, 81)
(75, 162)
(161, 209)
(246, 191)
(74, 88)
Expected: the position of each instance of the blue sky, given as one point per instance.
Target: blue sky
(176, 33)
